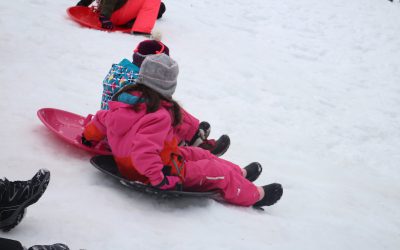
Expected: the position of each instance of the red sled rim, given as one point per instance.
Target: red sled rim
(56, 119)
(86, 17)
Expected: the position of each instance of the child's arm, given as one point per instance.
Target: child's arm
(95, 130)
(188, 128)
(148, 143)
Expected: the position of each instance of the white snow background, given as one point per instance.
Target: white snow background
(310, 89)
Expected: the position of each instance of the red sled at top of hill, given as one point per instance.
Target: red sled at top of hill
(69, 127)
(87, 17)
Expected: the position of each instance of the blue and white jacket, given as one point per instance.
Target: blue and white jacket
(120, 75)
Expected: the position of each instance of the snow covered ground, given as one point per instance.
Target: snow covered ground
(311, 89)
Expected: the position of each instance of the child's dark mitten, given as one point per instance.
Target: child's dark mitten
(106, 23)
(84, 3)
(169, 183)
(86, 142)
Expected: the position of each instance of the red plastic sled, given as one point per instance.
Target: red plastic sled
(86, 16)
(69, 127)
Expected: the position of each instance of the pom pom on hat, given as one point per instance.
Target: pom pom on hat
(156, 35)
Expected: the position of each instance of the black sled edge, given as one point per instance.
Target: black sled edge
(107, 165)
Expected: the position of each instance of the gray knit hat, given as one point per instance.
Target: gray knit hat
(159, 72)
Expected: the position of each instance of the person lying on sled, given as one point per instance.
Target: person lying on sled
(141, 130)
(141, 15)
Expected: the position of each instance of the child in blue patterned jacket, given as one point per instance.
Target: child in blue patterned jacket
(192, 132)
(126, 72)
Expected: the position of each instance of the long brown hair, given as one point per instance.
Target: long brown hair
(153, 100)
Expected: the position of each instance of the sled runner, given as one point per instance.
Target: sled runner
(87, 17)
(107, 165)
(69, 127)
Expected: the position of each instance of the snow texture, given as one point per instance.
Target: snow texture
(310, 89)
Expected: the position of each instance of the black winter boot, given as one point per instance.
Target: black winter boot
(201, 135)
(273, 192)
(57, 246)
(253, 170)
(217, 147)
(15, 196)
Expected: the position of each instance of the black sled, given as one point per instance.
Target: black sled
(107, 165)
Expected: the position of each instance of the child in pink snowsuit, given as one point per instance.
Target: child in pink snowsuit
(141, 127)
(191, 131)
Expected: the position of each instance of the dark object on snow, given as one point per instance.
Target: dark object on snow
(16, 196)
(57, 246)
(253, 170)
(161, 10)
(8, 244)
(105, 22)
(107, 165)
(273, 192)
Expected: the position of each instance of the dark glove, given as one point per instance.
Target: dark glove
(86, 142)
(170, 182)
(161, 10)
(85, 3)
(106, 23)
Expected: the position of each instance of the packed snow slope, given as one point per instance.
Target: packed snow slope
(310, 89)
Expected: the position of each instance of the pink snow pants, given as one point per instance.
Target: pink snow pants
(145, 12)
(205, 172)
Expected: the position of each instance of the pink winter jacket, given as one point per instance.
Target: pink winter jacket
(137, 139)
